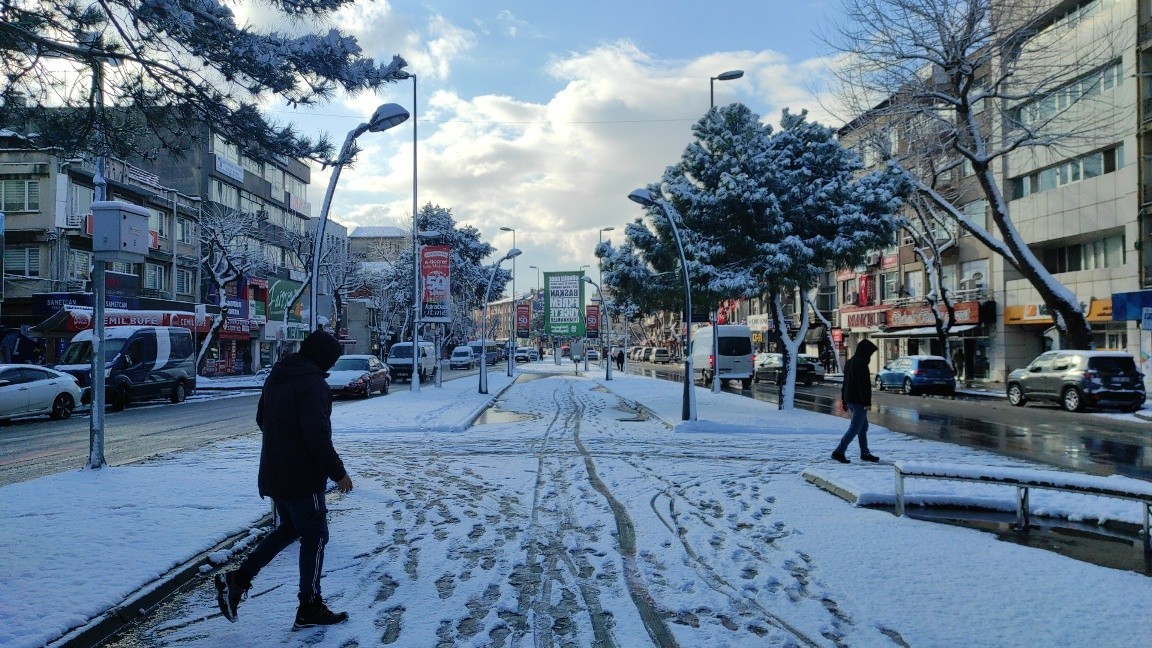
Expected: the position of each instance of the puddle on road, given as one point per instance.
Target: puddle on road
(1088, 543)
(496, 415)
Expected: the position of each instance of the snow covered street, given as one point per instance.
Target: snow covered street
(582, 513)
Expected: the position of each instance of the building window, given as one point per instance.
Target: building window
(914, 283)
(1067, 172)
(125, 268)
(185, 230)
(19, 195)
(889, 286)
(155, 276)
(1091, 84)
(1107, 252)
(158, 222)
(225, 194)
(22, 261)
(974, 274)
(222, 148)
(79, 265)
(184, 279)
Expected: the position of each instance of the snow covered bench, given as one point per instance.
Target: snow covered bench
(1024, 479)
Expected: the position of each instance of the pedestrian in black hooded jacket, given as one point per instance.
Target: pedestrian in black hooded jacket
(296, 461)
(856, 393)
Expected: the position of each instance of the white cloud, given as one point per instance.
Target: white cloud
(559, 171)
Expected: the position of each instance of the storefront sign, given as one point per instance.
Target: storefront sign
(922, 315)
(80, 319)
(280, 292)
(234, 329)
(230, 169)
(760, 322)
(564, 296)
(866, 319)
(436, 276)
(1098, 310)
(45, 304)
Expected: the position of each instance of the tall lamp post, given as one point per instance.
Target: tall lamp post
(512, 254)
(385, 117)
(512, 320)
(723, 76)
(607, 325)
(415, 382)
(531, 316)
(644, 197)
(600, 278)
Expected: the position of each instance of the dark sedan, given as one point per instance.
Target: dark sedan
(359, 375)
(918, 374)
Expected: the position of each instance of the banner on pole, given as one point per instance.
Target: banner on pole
(523, 320)
(563, 298)
(436, 279)
(592, 321)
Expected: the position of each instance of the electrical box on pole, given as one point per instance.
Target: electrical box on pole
(119, 233)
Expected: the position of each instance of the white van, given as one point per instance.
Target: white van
(143, 362)
(735, 360)
(400, 361)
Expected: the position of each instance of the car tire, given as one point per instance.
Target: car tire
(62, 407)
(1016, 395)
(807, 383)
(384, 389)
(879, 384)
(908, 389)
(1072, 400)
(367, 390)
(179, 393)
(745, 383)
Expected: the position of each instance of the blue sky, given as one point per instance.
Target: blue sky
(542, 116)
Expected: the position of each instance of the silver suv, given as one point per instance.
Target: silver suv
(1076, 379)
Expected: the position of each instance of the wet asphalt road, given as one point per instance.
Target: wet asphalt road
(1099, 442)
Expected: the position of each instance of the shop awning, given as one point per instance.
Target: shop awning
(923, 331)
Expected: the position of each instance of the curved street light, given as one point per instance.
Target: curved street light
(512, 254)
(723, 76)
(644, 197)
(607, 327)
(385, 117)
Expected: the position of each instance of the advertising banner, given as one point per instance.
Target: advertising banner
(280, 292)
(436, 278)
(523, 320)
(592, 321)
(563, 297)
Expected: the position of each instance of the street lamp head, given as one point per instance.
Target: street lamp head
(387, 116)
(729, 75)
(643, 197)
(588, 279)
(512, 254)
(607, 229)
(532, 266)
(507, 229)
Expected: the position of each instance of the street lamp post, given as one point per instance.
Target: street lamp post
(512, 254)
(531, 316)
(723, 76)
(414, 383)
(600, 278)
(607, 326)
(644, 197)
(385, 117)
(585, 329)
(512, 320)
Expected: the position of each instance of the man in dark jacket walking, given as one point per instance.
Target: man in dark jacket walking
(856, 393)
(296, 461)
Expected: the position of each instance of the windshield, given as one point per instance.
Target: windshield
(351, 364)
(81, 352)
(401, 351)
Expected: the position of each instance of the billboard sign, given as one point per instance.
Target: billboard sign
(563, 298)
(436, 279)
(592, 321)
(523, 320)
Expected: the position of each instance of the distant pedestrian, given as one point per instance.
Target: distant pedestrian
(619, 359)
(296, 461)
(856, 393)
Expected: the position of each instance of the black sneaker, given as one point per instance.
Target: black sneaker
(869, 457)
(231, 588)
(839, 456)
(315, 613)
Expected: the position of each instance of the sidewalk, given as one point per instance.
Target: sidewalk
(603, 492)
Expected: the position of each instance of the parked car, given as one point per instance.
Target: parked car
(1076, 379)
(817, 366)
(27, 390)
(400, 360)
(918, 374)
(533, 354)
(359, 375)
(769, 367)
(462, 358)
(647, 355)
(635, 353)
(660, 355)
(524, 354)
(733, 359)
(593, 355)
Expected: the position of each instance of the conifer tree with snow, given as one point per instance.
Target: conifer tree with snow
(469, 275)
(148, 71)
(767, 213)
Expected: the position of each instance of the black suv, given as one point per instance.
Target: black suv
(1075, 379)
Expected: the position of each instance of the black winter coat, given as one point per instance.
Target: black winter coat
(857, 386)
(294, 413)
